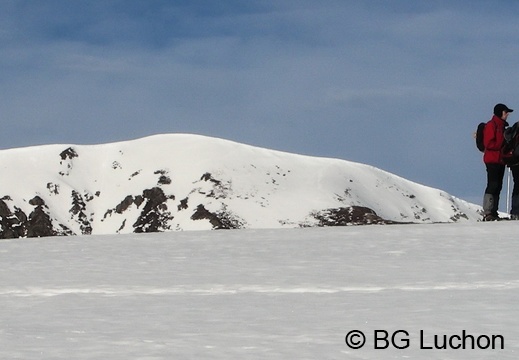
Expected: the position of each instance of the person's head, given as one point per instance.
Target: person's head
(502, 111)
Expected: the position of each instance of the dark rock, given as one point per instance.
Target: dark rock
(154, 216)
(53, 188)
(12, 225)
(208, 177)
(164, 180)
(221, 220)
(78, 211)
(68, 153)
(37, 201)
(353, 215)
(183, 204)
(125, 204)
(39, 222)
(139, 199)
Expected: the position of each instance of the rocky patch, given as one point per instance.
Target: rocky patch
(183, 204)
(218, 189)
(352, 215)
(68, 153)
(66, 160)
(78, 212)
(40, 223)
(220, 220)
(154, 216)
(12, 225)
(164, 179)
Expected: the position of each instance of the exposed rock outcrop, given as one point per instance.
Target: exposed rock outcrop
(155, 215)
(12, 225)
(352, 215)
(219, 220)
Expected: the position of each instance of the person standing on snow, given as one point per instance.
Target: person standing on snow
(510, 153)
(514, 211)
(493, 141)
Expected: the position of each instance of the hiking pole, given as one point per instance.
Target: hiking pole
(508, 191)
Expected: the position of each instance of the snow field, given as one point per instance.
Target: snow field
(257, 294)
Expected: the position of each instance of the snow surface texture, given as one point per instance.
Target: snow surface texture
(190, 182)
(260, 294)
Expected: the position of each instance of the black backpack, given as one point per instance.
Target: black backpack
(510, 148)
(479, 136)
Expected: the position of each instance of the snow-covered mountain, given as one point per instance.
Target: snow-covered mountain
(191, 182)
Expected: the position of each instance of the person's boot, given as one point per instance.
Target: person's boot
(495, 207)
(514, 212)
(488, 208)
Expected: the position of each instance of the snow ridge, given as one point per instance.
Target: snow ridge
(189, 182)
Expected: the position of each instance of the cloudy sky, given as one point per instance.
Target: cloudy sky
(400, 85)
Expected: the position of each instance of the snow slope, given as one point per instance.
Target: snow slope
(191, 182)
(261, 294)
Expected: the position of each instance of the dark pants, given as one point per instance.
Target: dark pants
(495, 174)
(515, 192)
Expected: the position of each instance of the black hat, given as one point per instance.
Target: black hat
(499, 108)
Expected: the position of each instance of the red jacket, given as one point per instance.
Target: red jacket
(493, 140)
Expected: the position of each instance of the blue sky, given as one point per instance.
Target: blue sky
(400, 85)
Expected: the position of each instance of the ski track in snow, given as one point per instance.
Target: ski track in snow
(230, 290)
